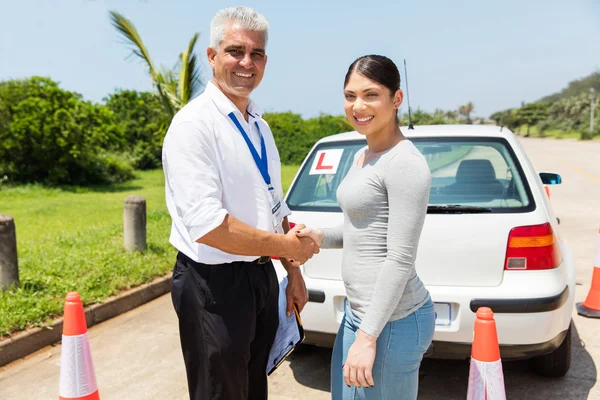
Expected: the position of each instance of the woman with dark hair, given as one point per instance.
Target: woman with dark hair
(389, 318)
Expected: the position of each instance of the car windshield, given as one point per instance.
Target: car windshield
(468, 176)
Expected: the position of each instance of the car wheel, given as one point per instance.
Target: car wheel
(557, 363)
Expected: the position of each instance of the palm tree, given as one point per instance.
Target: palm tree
(175, 86)
(466, 111)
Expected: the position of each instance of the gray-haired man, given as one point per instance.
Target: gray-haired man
(223, 191)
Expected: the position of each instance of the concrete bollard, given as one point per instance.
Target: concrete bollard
(9, 267)
(134, 223)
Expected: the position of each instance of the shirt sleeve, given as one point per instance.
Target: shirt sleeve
(189, 157)
(333, 238)
(407, 181)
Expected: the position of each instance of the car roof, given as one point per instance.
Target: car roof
(434, 130)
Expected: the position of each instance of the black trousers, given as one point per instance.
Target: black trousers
(227, 323)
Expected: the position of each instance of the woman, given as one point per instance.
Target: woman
(389, 318)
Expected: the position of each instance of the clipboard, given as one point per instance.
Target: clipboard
(282, 346)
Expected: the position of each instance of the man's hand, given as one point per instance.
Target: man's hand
(296, 292)
(299, 249)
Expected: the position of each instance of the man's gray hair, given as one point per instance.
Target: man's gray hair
(246, 17)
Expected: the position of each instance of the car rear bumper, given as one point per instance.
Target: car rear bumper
(498, 306)
(532, 310)
(452, 350)
(528, 305)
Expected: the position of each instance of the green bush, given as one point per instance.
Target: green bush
(295, 136)
(111, 167)
(543, 126)
(147, 155)
(143, 121)
(52, 136)
(587, 135)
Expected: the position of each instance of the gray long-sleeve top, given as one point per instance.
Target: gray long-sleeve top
(384, 204)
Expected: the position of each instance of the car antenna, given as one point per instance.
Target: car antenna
(501, 121)
(410, 125)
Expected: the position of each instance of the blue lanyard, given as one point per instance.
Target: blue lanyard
(261, 162)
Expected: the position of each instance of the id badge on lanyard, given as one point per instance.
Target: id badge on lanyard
(276, 210)
(262, 162)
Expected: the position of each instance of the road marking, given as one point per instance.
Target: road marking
(576, 168)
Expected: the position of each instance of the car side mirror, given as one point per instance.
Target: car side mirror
(549, 178)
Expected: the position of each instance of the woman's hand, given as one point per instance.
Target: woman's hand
(315, 234)
(359, 363)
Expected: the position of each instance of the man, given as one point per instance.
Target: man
(223, 191)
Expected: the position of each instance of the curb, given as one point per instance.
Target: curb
(31, 340)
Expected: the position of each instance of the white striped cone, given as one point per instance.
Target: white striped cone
(486, 381)
(77, 377)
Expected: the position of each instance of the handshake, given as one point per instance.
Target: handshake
(302, 244)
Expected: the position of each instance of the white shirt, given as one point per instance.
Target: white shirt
(210, 172)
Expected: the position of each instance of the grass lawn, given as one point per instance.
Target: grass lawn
(71, 239)
(287, 174)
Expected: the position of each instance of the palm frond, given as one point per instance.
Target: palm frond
(167, 81)
(134, 40)
(190, 82)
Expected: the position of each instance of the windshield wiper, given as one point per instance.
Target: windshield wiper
(456, 209)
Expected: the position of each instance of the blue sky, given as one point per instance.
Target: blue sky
(493, 53)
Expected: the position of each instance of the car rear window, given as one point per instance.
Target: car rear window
(481, 172)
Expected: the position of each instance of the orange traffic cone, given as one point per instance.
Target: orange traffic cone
(591, 306)
(486, 381)
(77, 378)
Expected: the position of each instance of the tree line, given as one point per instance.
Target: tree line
(562, 112)
(53, 136)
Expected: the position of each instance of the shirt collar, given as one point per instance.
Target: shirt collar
(226, 106)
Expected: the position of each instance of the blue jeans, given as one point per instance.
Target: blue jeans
(400, 349)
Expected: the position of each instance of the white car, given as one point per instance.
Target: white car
(490, 239)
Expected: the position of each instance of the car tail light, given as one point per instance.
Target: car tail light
(532, 248)
(292, 225)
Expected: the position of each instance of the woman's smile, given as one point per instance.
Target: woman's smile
(362, 119)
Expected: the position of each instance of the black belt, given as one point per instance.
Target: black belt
(263, 260)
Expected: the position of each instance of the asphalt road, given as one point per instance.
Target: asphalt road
(137, 355)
